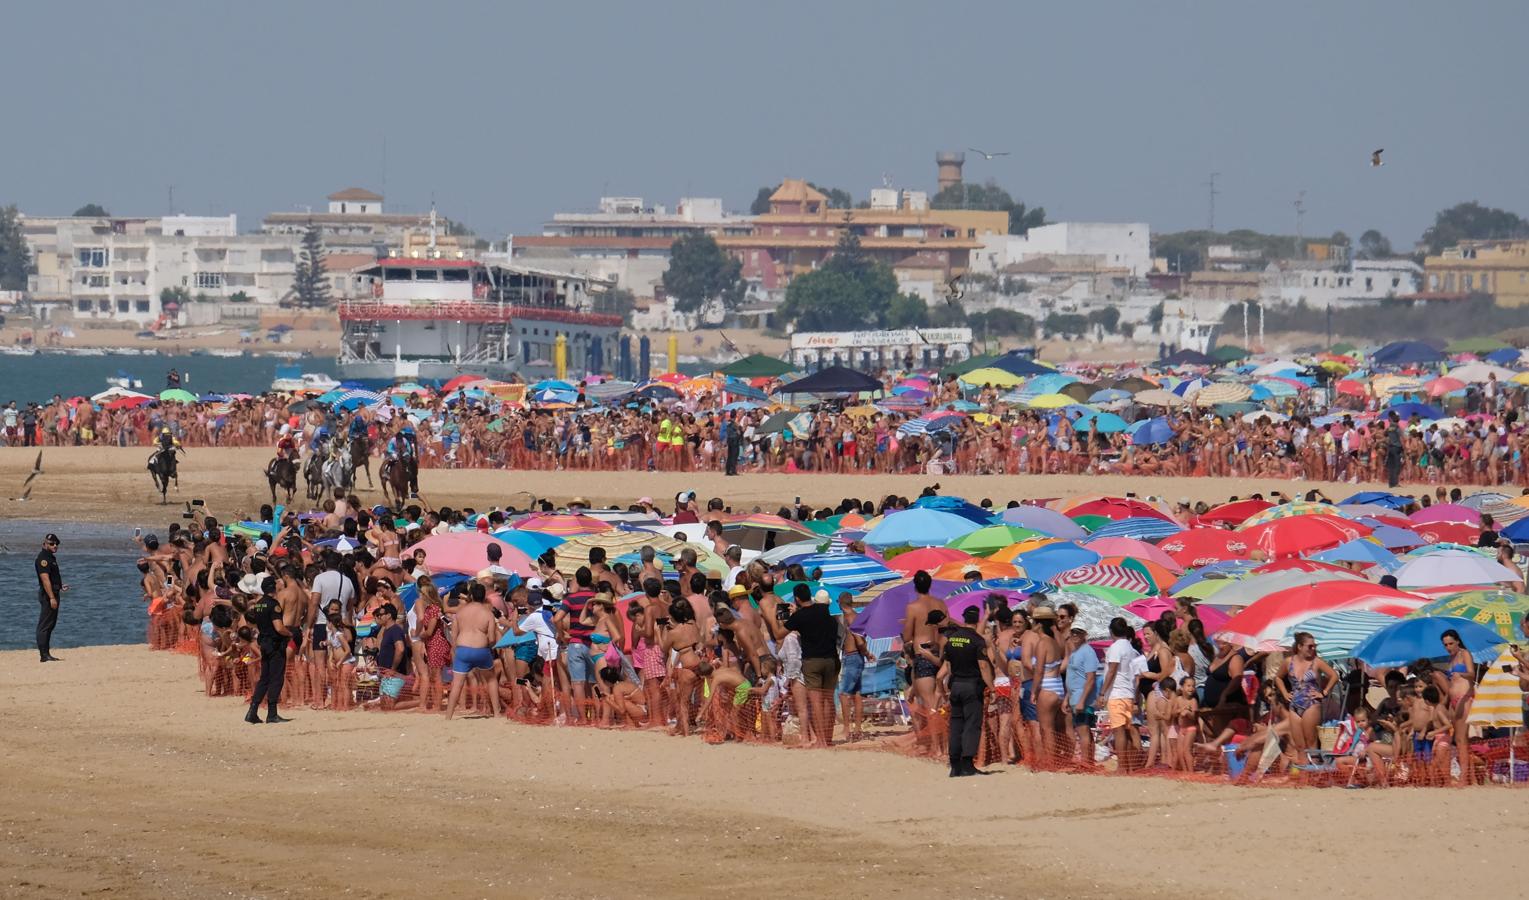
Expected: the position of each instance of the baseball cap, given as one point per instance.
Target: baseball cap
(534, 583)
(50, 538)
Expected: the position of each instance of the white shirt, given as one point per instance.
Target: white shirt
(1124, 656)
(732, 577)
(546, 641)
(331, 585)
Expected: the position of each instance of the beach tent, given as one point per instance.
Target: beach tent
(831, 380)
(1186, 357)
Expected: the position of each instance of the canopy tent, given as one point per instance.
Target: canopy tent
(757, 366)
(831, 380)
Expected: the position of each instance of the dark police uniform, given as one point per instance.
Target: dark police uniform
(46, 565)
(964, 650)
(265, 613)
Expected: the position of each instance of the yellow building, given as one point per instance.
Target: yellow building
(1499, 268)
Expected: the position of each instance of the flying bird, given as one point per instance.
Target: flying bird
(36, 470)
(986, 155)
(1375, 162)
(953, 291)
(25, 496)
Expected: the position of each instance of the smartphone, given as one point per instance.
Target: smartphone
(137, 532)
(169, 581)
(198, 503)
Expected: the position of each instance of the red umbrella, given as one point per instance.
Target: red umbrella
(1151, 608)
(1448, 532)
(1299, 565)
(926, 558)
(1117, 508)
(128, 402)
(1264, 621)
(1138, 549)
(460, 380)
(1203, 546)
(1234, 513)
(1300, 535)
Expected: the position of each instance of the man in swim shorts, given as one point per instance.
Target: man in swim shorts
(475, 632)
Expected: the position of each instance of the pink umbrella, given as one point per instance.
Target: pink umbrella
(1125, 546)
(467, 551)
(1446, 512)
(1150, 608)
(1444, 385)
(927, 558)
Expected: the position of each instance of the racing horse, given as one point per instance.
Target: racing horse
(360, 450)
(340, 471)
(313, 476)
(162, 470)
(397, 476)
(282, 472)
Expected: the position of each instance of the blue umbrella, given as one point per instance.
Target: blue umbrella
(1108, 395)
(1050, 560)
(444, 581)
(1392, 537)
(1506, 356)
(1227, 568)
(1102, 422)
(847, 571)
(1420, 410)
(1043, 519)
(1378, 498)
(1146, 528)
(1410, 640)
(531, 543)
(919, 528)
(1360, 550)
(957, 506)
(1518, 532)
(1152, 431)
(1017, 585)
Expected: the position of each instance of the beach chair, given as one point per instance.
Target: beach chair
(1321, 766)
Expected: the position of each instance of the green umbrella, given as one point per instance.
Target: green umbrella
(1230, 353)
(1344, 348)
(970, 364)
(825, 527)
(1091, 523)
(177, 395)
(989, 540)
(1113, 595)
(757, 366)
(1476, 345)
(1501, 611)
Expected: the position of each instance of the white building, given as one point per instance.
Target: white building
(1318, 284)
(354, 223)
(1125, 246)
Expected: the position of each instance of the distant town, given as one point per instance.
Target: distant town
(802, 259)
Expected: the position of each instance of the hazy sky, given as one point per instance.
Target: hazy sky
(507, 112)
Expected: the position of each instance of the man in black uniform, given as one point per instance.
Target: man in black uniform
(50, 584)
(272, 639)
(964, 660)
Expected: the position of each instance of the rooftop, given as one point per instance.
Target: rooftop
(356, 194)
(795, 190)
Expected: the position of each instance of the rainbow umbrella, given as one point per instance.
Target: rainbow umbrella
(1501, 611)
(989, 540)
(1287, 510)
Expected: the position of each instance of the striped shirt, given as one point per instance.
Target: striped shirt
(574, 603)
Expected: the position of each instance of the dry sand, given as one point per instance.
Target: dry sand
(121, 779)
(111, 484)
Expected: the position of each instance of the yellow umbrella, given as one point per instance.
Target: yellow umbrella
(980, 418)
(992, 376)
(1499, 703)
(864, 411)
(1012, 552)
(1050, 401)
(1521, 378)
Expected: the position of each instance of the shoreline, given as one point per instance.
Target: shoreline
(136, 803)
(111, 484)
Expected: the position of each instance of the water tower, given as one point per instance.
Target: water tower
(950, 164)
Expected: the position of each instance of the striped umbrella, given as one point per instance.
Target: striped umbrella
(849, 571)
(1144, 528)
(1338, 633)
(1288, 510)
(928, 424)
(355, 398)
(1501, 611)
(1105, 575)
(1007, 585)
(1094, 614)
(1222, 392)
(562, 524)
(1499, 702)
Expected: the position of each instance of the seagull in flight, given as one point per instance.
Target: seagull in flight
(25, 496)
(36, 470)
(986, 155)
(1375, 161)
(953, 291)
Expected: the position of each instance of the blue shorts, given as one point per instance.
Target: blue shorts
(391, 686)
(466, 659)
(1027, 710)
(854, 668)
(525, 651)
(1085, 717)
(581, 667)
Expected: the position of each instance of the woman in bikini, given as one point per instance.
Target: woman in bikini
(648, 656)
(1046, 682)
(1458, 685)
(1161, 664)
(681, 642)
(1306, 683)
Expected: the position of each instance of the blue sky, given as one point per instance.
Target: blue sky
(507, 112)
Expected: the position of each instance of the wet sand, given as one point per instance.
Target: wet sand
(122, 780)
(112, 484)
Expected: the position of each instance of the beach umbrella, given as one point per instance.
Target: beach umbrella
(1151, 431)
(1101, 422)
(926, 558)
(1364, 551)
(1204, 546)
(1454, 567)
(467, 551)
(1448, 532)
(531, 543)
(176, 395)
(1191, 386)
(1250, 588)
(1094, 614)
(886, 605)
(1225, 570)
(1501, 611)
(1117, 509)
(957, 570)
(1338, 633)
(1506, 356)
(1046, 562)
(782, 552)
(1405, 641)
(1108, 395)
(1499, 701)
(1222, 392)
(955, 506)
(564, 524)
(1158, 397)
(1412, 410)
(1289, 510)
(1264, 623)
(991, 376)
(616, 542)
(1125, 546)
(1377, 498)
(755, 530)
(1105, 574)
(1303, 534)
(1152, 608)
(1438, 387)
(1446, 512)
(989, 540)
(919, 528)
(847, 571)
(1485, 501)
(1049, 401)
(1392, 537)
(1235, 512)
(1044, 520)
(1143, 528)
(1479, 373)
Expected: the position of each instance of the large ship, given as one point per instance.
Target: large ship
(434, 316)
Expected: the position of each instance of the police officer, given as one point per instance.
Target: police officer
(964, 657)
(272, 636)
(50, 585)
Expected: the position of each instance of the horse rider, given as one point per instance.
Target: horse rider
(403, 449)
(319, 446)
(357, 427)
(170, 445)
(286, 448)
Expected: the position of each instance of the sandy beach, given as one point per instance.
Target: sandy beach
(111, 484)
(122, 779)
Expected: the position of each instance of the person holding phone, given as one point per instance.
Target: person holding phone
(50, 586)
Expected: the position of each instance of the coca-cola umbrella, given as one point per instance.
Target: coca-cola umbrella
(1300, 535)
(1205, 546)
(1235, 512)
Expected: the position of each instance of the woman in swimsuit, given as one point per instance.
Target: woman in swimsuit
(681, 641)
(1307, 682)
(1161, 663)
(1459, 688)
(1046, 682)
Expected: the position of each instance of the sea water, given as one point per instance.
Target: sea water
(103, 604)
(39, 376)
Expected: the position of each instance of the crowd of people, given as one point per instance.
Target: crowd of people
(345, 609)
(975, 429)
